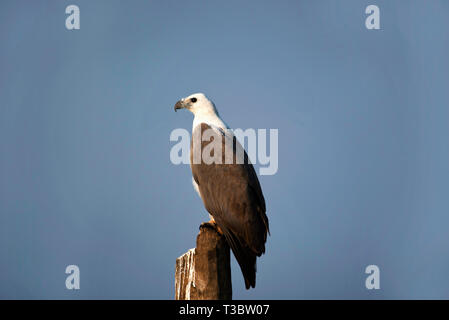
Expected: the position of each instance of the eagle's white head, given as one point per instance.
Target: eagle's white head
(196, 103)
(202, 108)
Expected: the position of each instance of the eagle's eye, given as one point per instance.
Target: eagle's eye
(193, 100)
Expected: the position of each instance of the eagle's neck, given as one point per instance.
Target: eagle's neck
(209, 117)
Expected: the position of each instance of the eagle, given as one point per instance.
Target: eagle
(229, 188)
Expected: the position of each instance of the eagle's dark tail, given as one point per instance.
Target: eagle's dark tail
(245, 257)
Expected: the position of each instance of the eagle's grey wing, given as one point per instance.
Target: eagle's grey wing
(232, 194)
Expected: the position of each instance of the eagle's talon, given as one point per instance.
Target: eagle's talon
(210, 225)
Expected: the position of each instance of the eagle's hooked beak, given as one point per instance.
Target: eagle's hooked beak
(180, 105)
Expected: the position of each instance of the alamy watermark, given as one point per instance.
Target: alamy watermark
(373, 280)
(72, 282)
(215, 146)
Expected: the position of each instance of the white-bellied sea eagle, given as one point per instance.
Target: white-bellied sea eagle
(229, 188)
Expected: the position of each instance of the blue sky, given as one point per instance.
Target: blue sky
(86, 115)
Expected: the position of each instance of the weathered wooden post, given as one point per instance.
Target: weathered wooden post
(204, 272)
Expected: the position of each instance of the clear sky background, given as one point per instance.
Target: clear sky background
(86, 115)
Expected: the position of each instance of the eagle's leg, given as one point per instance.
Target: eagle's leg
(211, 224)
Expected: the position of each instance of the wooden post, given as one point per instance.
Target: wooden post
(204, 272)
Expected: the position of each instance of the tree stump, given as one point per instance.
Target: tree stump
(204, 272)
